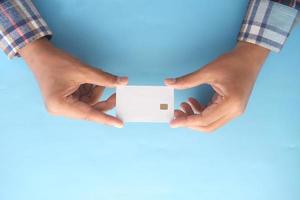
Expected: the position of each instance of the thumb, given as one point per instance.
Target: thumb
(98, 77)
(193, 79)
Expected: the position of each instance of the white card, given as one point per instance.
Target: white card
(145, 103)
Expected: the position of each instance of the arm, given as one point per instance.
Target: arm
(265, 28)
(70, 88)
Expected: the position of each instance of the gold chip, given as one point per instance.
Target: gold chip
(164, 106)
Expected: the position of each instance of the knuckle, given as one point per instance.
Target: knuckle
(203, 121)
(200, 121)
(88, 115)
(239, 109)
(110, 81)
(53, 106)
(204, 129)
(113, 79)
(180, 81)
(238, 106)
(108, 76)
(208, 130)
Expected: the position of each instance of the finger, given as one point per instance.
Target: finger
(106, 105)
(187, 108)
(88, 93)
(85, 89)
(98, 77)
(179, 113)
(215, 125)
(96, 94)
(196, 105)
(81, 110)
(188, 81)
(215, 97)
(210, 114)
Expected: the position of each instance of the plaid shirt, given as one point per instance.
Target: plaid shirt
(20, 24)
(267, 23)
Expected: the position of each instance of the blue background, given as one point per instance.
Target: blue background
(254, 157)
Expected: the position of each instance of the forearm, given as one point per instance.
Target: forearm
(37, 55)
(253, 53)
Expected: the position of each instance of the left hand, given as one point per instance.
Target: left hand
(232, 76)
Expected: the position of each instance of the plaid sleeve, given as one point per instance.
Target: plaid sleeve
(20, 24)
(291, 3)
(268, 23)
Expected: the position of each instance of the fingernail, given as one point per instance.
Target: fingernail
(173, 124)
(122, 80)
(170, 81)
(119, 125)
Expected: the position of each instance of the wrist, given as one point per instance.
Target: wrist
(37, 54)
(252, 53)
(36, 49)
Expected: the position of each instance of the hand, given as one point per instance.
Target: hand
(71, 88)
(232, 76)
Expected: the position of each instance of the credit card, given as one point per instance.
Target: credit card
(145, 104)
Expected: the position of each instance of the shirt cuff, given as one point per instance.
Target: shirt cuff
(20, 24)
(267, 24)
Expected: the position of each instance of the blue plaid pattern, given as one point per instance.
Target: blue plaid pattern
(268, 23)
(20, 24)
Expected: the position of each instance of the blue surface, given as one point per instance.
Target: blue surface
(255, 157)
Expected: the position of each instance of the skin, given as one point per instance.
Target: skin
(232, 76)
(71, 88)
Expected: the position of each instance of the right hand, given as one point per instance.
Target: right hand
(71, 88)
